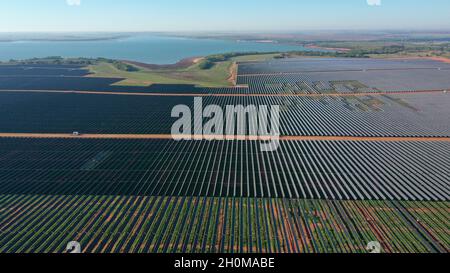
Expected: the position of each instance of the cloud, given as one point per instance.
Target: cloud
(73, 2)
(374, 2)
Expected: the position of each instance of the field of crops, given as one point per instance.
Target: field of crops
(143, 224)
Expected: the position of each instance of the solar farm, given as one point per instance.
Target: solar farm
(364, 156)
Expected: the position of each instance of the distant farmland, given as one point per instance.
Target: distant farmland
(135, 195)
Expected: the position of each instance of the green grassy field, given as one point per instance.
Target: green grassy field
(217, 76)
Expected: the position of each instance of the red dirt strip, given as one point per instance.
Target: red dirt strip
(220, 137)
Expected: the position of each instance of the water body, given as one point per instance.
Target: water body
(142, 48)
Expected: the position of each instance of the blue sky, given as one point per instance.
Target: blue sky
(221, 15)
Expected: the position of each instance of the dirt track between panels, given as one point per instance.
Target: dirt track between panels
(220, 137)
(224, 95)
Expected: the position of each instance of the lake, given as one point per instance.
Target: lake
(142, 48)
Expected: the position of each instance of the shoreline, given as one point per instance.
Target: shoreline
(435, 58)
